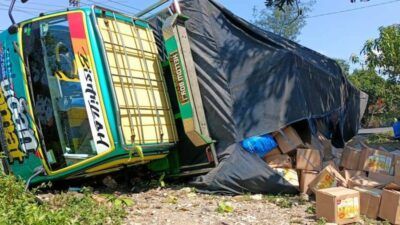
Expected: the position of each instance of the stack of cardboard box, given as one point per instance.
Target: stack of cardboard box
(306, 160)
(347, 182)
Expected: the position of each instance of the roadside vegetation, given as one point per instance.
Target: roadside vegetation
(380, 138)
(18, 206)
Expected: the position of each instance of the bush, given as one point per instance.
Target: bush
(20, 207)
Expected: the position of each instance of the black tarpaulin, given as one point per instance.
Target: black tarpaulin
(254, 82)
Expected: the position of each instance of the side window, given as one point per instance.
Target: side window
(58, 47)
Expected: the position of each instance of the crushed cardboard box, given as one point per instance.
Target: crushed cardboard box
(338, 205)
(370, 200)
(328, 177)
(365, 182)
(288, 140)
(308, 159)
(330, 163)
(306, 177)
(348, 174)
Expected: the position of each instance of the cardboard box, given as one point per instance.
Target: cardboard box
(365, 182)
(350, 158)
(288, 140)
(390, 206)
(279, 161)
(275, 151)
(330, 163)
(395, 185)
(290, 175)
(381, 178)
(306, 178)
(348, 174)
(374, 160)
(338, 205)
(396, 163)
(370, 200)
(327, 178)
(308, 159)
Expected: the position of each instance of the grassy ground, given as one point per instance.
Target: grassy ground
(383, 140)
(174, 204)
(18, 206)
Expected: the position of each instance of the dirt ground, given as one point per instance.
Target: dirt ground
(182, 205)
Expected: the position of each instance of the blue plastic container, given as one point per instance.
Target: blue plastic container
(396, 129)
(259, 145)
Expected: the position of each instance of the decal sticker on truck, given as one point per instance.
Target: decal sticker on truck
(177, 75)
(17, 132)
(93, 107)
(88, 82)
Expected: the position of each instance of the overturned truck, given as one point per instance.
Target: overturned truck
(89, 91)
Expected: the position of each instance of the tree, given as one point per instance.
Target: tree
(369, 82)
(280, 4)
(286, 23)
(380, 76)
(383, 96)
(383, 53)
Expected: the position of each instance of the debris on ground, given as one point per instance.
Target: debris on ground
(344, 181)
(354, 184)
(173, 205)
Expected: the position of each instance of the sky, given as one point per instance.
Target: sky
(331, 28)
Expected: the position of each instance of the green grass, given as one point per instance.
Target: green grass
(283, 201)
(20, 207)
(224, 207)
(321, 221)
(311, 209)
(380, 138)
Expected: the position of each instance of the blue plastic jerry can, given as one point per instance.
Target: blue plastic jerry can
(396, 129)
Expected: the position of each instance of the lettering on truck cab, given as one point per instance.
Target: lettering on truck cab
(177, 75)
(93, 107)
(19, 136)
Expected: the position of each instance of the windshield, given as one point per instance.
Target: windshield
(59, 102)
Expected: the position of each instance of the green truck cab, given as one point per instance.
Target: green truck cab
(83, 92)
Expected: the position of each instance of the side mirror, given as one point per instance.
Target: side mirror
(14, 27)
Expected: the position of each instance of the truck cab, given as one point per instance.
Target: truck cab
(84, 92)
